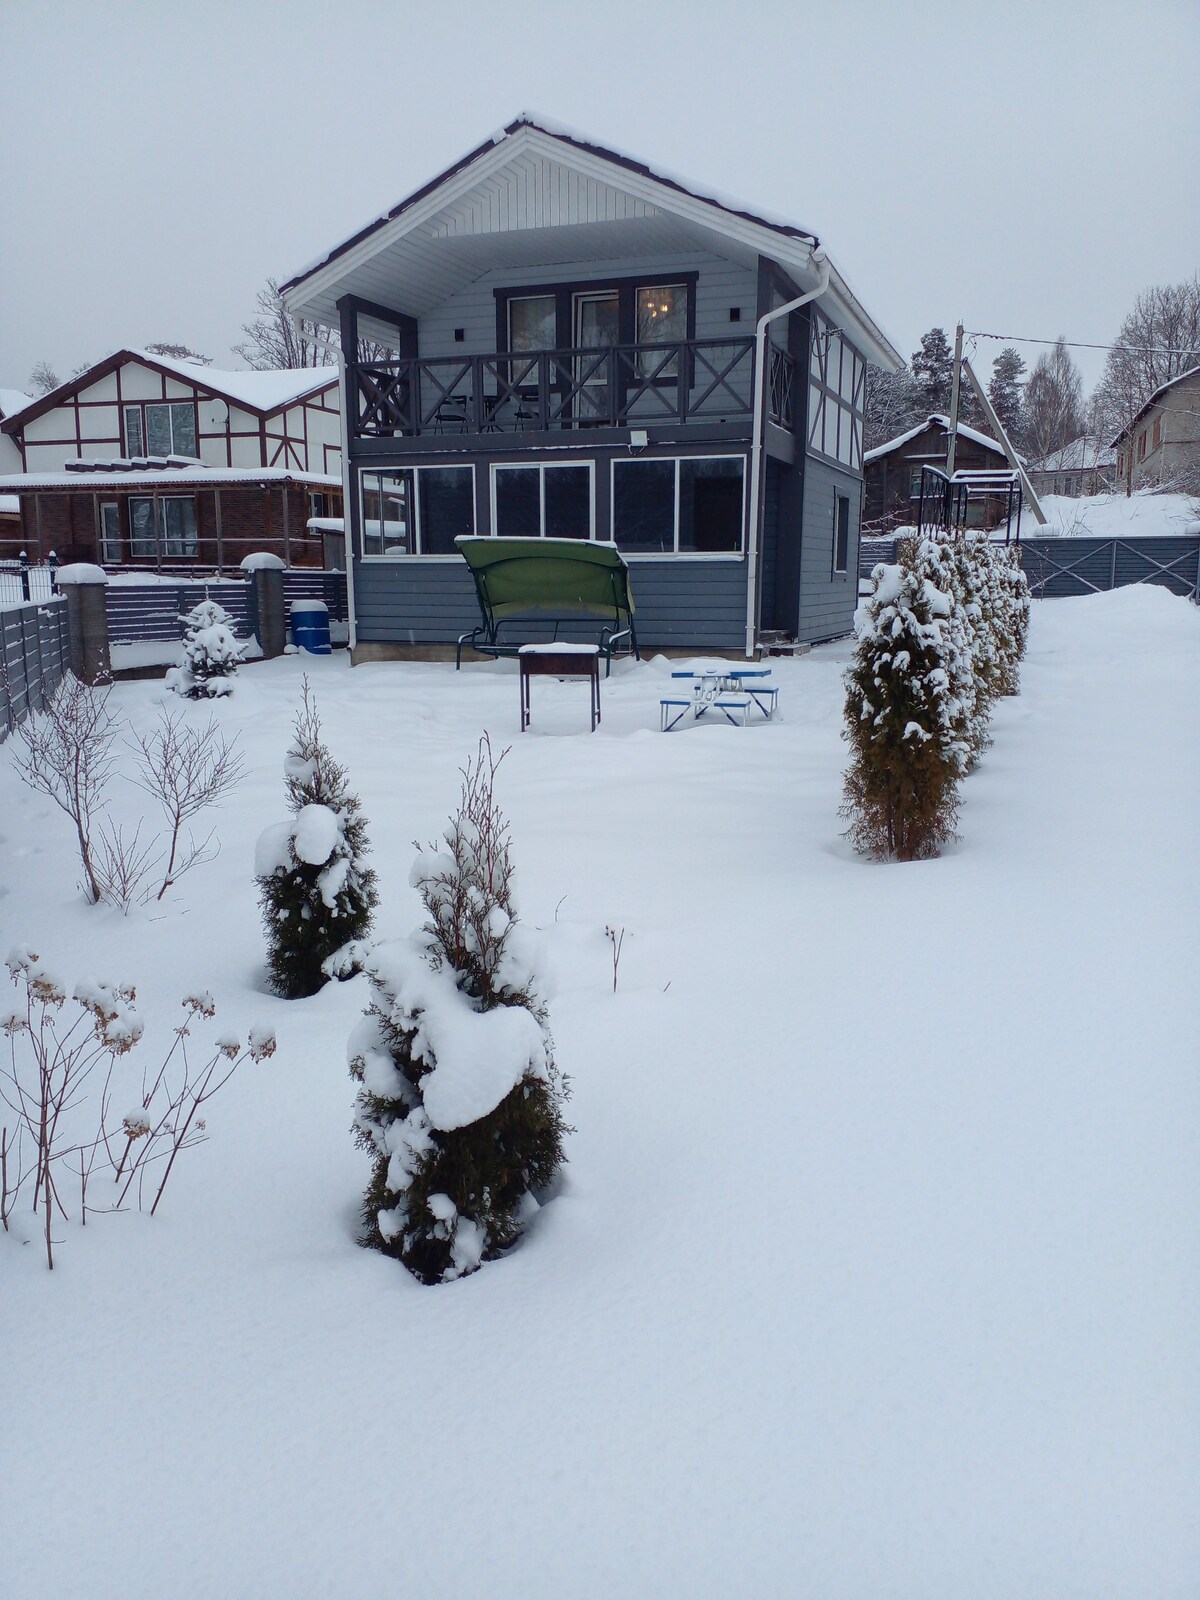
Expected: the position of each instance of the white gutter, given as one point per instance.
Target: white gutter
(758, 435)
(347, 513)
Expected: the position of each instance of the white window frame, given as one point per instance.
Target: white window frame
(106, 546)
(675, 553)
(542, 467)
(416, 470)
(140, 407)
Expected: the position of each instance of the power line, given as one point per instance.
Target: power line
(1081, 344)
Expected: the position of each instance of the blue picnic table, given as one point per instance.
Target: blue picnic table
(727, 691)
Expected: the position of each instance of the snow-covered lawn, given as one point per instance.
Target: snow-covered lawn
(876, 1270)
(1142, 515)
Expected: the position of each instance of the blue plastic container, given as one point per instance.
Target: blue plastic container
(310, 627)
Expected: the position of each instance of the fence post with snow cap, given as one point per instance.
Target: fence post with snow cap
(270, 622)
(87, 620)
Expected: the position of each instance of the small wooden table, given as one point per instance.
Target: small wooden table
(559, 661)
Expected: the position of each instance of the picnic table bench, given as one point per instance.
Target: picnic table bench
(731, 691)
(528, 585)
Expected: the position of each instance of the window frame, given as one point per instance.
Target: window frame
(106, 547)
(840, 500)
(541, 468)
(564, 293)
(140, 407)
(825, 397)
(675, 553)
(418, 537)
(159, 528)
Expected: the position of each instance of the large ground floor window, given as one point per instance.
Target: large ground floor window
(549, 500)
(413, 511)
(678, 504)
(166, 526)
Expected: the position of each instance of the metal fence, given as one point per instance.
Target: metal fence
(1060, 567)
(141, 612)
(35, 652)
(14, 578)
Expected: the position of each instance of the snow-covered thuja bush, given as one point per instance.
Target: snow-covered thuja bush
(1008, 611)
(211, 654)
(941, 563)
(902, 721)
(459, 1102)
(316, 891)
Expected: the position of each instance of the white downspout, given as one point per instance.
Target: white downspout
(758, 434)
(347, 519)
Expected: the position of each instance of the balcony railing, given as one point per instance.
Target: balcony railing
(619, 386)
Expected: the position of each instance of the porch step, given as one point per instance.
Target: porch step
(775, 642)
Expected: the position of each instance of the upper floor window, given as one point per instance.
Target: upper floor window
(836, 381)
(161, 429)
(1157, 432)
(532, 323)
(660, 318)
(1142, 447)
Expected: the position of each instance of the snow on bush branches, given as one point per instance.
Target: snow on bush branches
(211, 654)
(459, 1102)
(55, 1125)
(315, 890)
(938, 639)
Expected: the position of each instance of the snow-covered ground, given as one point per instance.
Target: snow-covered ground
(876, 1269)
(1114, 516)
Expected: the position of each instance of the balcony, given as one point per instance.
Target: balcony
(618, 386)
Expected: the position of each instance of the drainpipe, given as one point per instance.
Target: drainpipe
(344, 409)
(758, 435)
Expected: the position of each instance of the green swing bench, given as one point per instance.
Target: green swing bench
(525, 586)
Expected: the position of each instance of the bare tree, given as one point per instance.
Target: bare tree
(1053, 402)
(66, 753)
(43, 378)
(186, 770)
(1159, 340)
(892, 404)
(274, 342)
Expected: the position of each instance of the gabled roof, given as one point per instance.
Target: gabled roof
(1081, 455)
(12, 401)
(940, 420)
(1153, 401)
(264, 393)
(427, 233)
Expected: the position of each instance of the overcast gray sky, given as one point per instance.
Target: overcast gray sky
(1029, 168)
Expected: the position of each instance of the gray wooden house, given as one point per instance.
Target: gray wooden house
(576, 340)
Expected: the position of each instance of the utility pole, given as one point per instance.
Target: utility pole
(952, 443)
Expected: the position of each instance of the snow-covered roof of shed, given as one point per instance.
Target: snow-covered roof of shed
(697, 212)
(1080, 455)
(942, 421)
(10, 505)
(12, 401)
(261, 392)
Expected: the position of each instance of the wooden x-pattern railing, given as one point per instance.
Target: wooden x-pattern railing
(1044, 564)
(617, 385)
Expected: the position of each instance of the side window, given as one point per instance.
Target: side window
(841, 539)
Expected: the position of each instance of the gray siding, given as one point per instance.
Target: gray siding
(827, 601)
(680, 604)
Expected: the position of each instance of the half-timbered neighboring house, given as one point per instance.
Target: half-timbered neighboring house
(146, 461)
(893, 469)
(11, 401)
(575, 338)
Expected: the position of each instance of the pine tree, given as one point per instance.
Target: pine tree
(459, 1102)
(1004, 391)
(316, 893)
(901, 789)
(211, 654)
(933, 369)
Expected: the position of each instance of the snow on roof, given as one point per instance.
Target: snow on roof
(1080, 455)
(942, 421)
(262, 391)
(198, 476)
(12, 401)
(1155, 398)
(10, 505)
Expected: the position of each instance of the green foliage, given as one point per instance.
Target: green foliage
(901, 789)
(442, 1200)
(312, 909)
